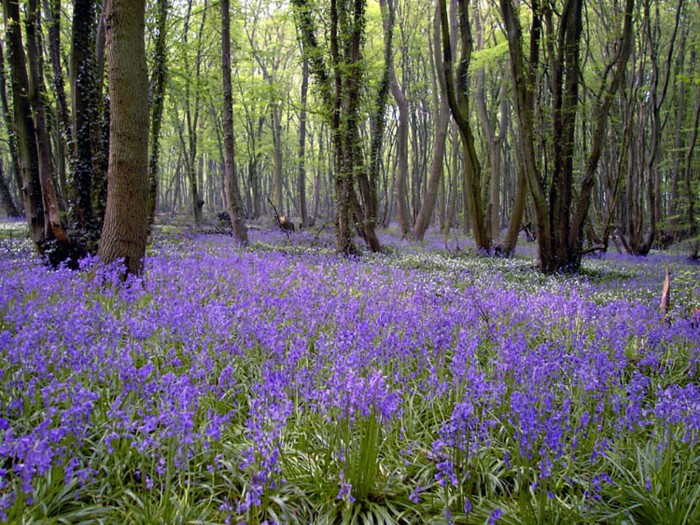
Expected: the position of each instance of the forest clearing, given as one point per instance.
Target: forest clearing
(284, 383)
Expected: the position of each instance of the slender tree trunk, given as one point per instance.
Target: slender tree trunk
(64, 141)
(23, 124)
(125, 230)
(692, 226)
(301, 184)
(402, 154)
(602, 110)
(192, 114)
(495, 141)
(441, 126)
(523, 78)
(459, 105)
(157, 100)
(233, 204)
(340, 92)
(454, 179)
(402, 138)
(516, 216)
(678, 141)
(7, 119)
(277, 156)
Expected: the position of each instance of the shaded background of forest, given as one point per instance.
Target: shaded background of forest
(607, 126)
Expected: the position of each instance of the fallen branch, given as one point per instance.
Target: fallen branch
(666, 294)
(283, 221)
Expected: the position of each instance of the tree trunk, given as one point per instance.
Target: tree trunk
(85, 98)
(157, 87)
(125, 230)
(523, 78)
(602, 110)
(459, 105)
(23, 125)
(192, 114)
(6, 201)
(692, 226)
(340, 94)
(64, 141)
(233, 204)
(678, 141)
(441, 126)
(301, 183)
(56, 244)
(7, 119)
(402, 131)
(560, 220)
(278, 168)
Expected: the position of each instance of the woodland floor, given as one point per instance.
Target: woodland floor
(281, 383)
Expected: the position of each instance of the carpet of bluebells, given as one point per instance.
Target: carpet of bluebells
(284, 384)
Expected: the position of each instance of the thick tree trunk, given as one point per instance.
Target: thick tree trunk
(86, 105)
(565, 85)
(233, 204)
(125, 230)
(55, 244)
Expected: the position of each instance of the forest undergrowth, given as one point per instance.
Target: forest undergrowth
(284, 384)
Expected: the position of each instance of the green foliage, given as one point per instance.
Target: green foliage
(658, 484)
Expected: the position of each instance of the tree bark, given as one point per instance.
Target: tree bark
(52, 9)
(8, 121)
(233, 204)
(192, 115)
(125, 230)
(54, 243)
(85, 99)
(158, 83)
(441, 125)
(340, 92)
(276, 125)
(459, 105)
(523, 78)
(23, 125)
(402, 130)
(301, 181)
(6, 200)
